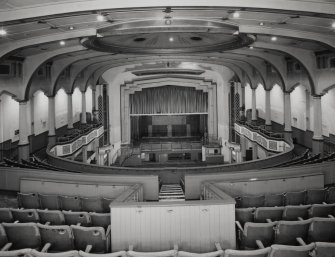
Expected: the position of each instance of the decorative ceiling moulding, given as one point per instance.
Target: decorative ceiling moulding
(156, 37)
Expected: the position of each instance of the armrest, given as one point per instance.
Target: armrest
(260, 244)
(108, 230)
(239, 226)
(331, 216)
(88, 248)
(46, 248)
(79, 224)
(6, 247)
(299, 218)
(268, 220)
(301, 241)
(47, 223)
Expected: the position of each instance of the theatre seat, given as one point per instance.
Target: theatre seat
(251, 232)
(92, 204)
(263, 214)
(6, 215)
(315, 196)
(3, 237)
(50, 202)
(91, 239)
(25, 215)
(52, 217)
(294, 198)
(105, 204)
(321, 210)
(100, 219)
(244, 215)
(322, 230)
(252, 201)
(16, 253)
(79, 217)
(70, 203)
(295, 212)
(323, 249)
(23, 235)
(331, 195)
(272, 200)
(115, 254)
(287, 232)
(28, 200)
(72, 253)
(291, 251)
(241, 253)
(60, 238)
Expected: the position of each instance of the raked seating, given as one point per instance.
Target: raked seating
(64, 202)
(323, 249)
(253, 253)
(291, 251)
(287, 232)
(262, 214)
(322, 230)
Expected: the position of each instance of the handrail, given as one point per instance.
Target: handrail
(211, 192)
(159, 146)
(132, 194)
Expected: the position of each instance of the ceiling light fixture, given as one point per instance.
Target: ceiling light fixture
(236, 32)
(171, 39)
(273, 38)
(3, 32)
(100, 17)
(62, 43)
(261, 24)
(333, 25)
(236, 15)
(71, 28)
(251, 47)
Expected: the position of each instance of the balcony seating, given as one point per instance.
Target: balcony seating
(105, 203)
(321, 210)
(287, 232)
(25, 215)
(50, 202)
(28, 201)
(100, 219)
(331, 195)
(252, 201)
(272, 200)
(6, 215)
(253, 253)
(295, 198)
(296, 212)
(323, 249)
(315, 196)
(92, 204)
(244, 215)
(70, 203)
(72, 253)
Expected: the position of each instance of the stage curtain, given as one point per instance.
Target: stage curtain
(168, 99)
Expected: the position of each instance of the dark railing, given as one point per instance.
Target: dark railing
(262, 130)
(76, 133)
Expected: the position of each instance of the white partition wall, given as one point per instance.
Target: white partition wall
(195, 225)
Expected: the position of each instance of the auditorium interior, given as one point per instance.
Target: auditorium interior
(176, 129)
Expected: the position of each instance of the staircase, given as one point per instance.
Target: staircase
(171, 192)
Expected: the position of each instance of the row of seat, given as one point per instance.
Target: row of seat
(55, 217)
(290, 212)
(298, 158)
(64, 202)
(285, 232)
(309, 196)
(45, 238)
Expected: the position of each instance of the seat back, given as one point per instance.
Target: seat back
(55, 217)
(295, 198)
(291, 251)
(28, 200)
(244, 215)
(294, 212)
(92, 204)
(321, 210)
(254, 253)
(315, 196)
(272, 200)
(60, 237)
(331, 195)
(272, 213)
(286, 232)
(3, 236)
(105, 203)
(257, 231)
(73, 218)
(23, 235)
(50, 202)
(6, 215)
(322, 230)
(323, 249)
(25, 215)
(252, 201)
(70, 203)
(100, 219)
(94, 236)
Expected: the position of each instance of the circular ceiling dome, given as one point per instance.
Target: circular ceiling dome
(156, 37)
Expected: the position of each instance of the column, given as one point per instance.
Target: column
(242, 103)
(254, 151)
(317, 143)
(308, 111)
(52, 117)
(243, 142)
(84, 153)
(94, 105)
(83, 107)
(268, 109)
(287, 112)
(69, 112)
(253, 104)
(23, 147)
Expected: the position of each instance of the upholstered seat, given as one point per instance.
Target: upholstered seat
(262, 214)
(52, 217)
(287, 232)
(28, 200)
